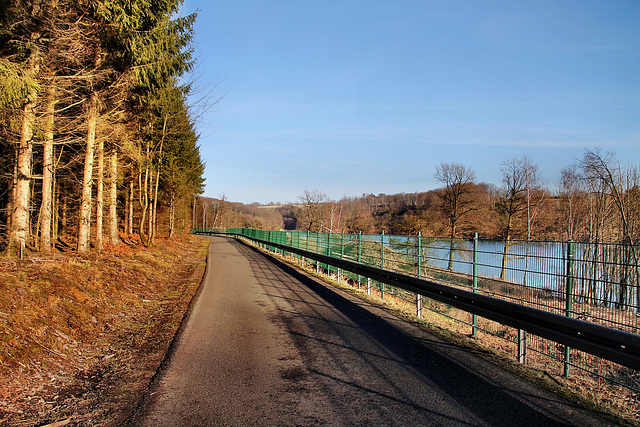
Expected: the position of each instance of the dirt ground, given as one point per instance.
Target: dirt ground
(82, 336)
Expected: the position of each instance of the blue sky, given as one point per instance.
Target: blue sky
(369, 96)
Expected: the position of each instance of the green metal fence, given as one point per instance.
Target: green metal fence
(594, 282)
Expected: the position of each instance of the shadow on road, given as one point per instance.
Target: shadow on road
(491, 394)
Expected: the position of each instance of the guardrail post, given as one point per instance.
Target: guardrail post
(419, 265)
(359, 255)
(522, 346)
(569, 298)
(382, 259)
(474, 321)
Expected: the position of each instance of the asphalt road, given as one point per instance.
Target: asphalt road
(265, 344)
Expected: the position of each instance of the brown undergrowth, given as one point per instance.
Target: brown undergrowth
(82, 336)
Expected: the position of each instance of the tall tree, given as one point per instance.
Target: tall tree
(71, 74)
(311, 212)
(22, 53)
(619, 186)
(520, 196)
(46, 209)
(457, 200)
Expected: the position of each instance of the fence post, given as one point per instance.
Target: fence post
(290, 233)
(474, 321)
(569, 307)
(522, 336)
(341, 255)
(359, 255)
(419, 265)
(382, 256)
(318, 251)
(304, 259)
(328, 253)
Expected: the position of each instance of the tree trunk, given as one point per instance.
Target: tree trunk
(154, 211)
(130, 208)
(505, 253)
(18, 236)
(46, 208)
(154, 226)
(100, 196)
(63, 218)
(55, 207)
(451, 245)
(172, 214)
(85, 207)
(19, 208)
(144, 204)
(12, 194)
(149, 192)
(113, 198)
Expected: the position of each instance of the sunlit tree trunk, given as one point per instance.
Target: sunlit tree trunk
(113, 198)
(172, 214)
(507, 245)
(100, 196)
(154, 211)
(154, 215)
(85, 206)
(143, 198)
(46, 208)
(18, 235)
(149, 202)
(55, 208)
(130, 208)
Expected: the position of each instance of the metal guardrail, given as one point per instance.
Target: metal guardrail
(612, 344)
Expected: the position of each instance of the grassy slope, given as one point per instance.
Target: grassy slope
(81, 337)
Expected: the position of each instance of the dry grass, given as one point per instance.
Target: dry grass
(79, 331)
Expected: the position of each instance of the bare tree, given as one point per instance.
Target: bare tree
(619, 186)
(519, 180)
(457, 200)
(570, 192)
(311, 211)
(220, 209)
(616, 183)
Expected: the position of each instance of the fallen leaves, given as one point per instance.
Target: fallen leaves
(77, 334)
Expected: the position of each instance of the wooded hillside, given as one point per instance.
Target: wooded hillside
(597, 199)
(95, 133)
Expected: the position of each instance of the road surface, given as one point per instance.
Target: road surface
(265, 344)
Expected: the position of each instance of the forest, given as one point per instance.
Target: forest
(97, 139)
(597, 199)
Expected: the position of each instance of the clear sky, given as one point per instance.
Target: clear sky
(369, 96)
